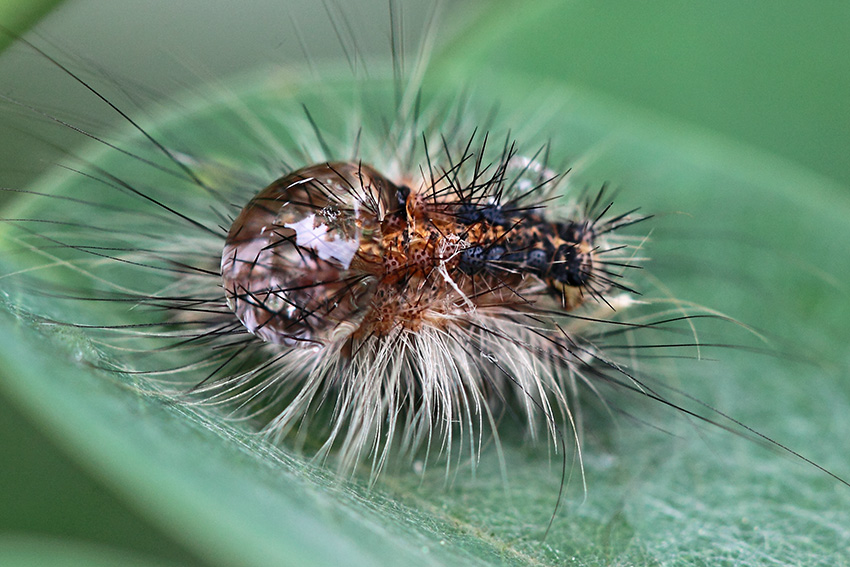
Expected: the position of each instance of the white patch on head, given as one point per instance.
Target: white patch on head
(317, 237)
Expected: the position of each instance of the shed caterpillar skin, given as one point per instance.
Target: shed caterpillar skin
(524, 339)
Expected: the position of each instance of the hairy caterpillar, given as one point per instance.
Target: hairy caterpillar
(337, 133)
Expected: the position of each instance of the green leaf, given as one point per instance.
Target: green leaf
(17, 16)
(744, 233)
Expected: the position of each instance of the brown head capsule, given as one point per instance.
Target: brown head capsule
(304, 256)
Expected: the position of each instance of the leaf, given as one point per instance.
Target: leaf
(17, 16)
(740, 232)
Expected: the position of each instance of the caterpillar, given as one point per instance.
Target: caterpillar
(441, 274)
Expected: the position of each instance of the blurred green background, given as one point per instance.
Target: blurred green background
(774, 75)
